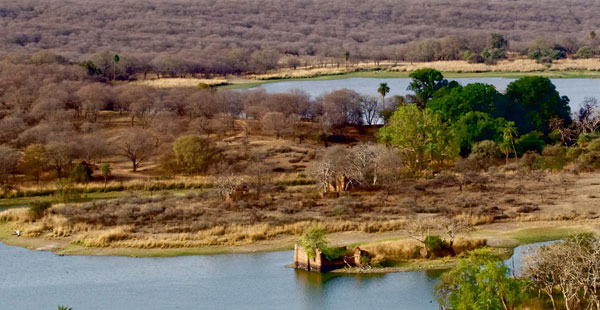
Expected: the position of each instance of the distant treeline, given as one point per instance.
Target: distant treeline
(240, 36)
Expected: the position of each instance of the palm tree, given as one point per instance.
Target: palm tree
(106, 172)
(116, 60)
(347, 57)
(383, 90)
(509, 134)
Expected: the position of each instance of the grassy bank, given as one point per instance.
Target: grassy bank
(502, 240)
(386, 74)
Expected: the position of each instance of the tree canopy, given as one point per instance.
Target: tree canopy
(420, 136)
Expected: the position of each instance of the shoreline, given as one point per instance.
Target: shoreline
(503, 237)
(248, 82)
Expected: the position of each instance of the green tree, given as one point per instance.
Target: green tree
(80, 173)
(539, 102)
(480, 282)
(35, 161)
(313, 238)
(383, 90)
(425, 82)
(495, 49)
(497, 41)
(584, 52)
(193, 154)
(453, 103)
(474, 127)
(419, 135)
(509, 135)
(347, 57)
(106, 172)
(116, 60)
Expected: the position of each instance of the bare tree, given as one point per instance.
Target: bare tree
(259, 174)
(420, 230)
(60, 157)
(94, 98)
(137, 145)
(588, 115)
(454, 227)
(370, 109)
(275, 122)
(9, 159)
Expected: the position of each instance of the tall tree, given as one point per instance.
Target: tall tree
(424, 83)
(116, 60)
(509, 135)
(383, 90)
(137, 145)
(539, 101)
(347, 57)
(420, 136)
(34, 161)
(106, 172)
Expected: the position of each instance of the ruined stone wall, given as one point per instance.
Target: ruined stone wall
(318, 263)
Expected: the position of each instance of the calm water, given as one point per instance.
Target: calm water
(41, 280)
(575, 89)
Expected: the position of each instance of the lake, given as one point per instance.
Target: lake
(575, 89)
(42, 280)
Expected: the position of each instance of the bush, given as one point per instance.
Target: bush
(554, 156)
(573, 153)
(313, 238)
(332, 254)
(530, 142)
(590, 160)
(483, 153)
(37, 208)
(81, 173)
(532, 161)
(586, 138)
(434, 243)
(584, 52)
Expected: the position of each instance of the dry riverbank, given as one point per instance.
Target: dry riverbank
(499, 235)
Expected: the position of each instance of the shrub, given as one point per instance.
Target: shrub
(81, 173)
(333, 253)
(554, 156)
(573, 153)
(37, 208)
(590, 160)
(482, 153)
(434, 243)
(530, 142)
(532, 161)
(313, 238)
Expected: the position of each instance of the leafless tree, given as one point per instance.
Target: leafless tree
(60, 157)
(275, 122)
(259, 174)
(9, 160)
(94, 98)
(137, 145)
(573, 266)
(92, 147)
(588, 115)
(420, 229)
(370, 109)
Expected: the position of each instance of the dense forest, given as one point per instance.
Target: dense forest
(213, 37)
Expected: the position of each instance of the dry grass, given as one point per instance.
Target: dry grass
(507, 65)
(124, 185)
(180, 82)
(406, 249)
(203, 219)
